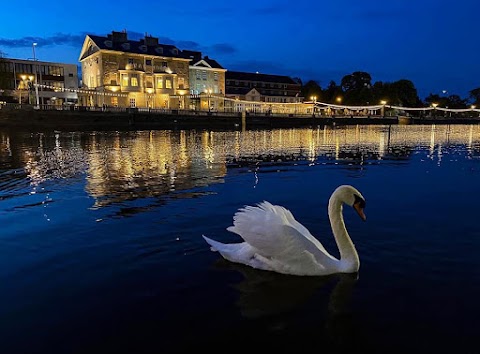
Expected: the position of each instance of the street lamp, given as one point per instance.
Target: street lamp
(383, 103)
(209, 93)
(434, 105)
(26, 80)
(35, 68)
(473, 107)
(339, 101)
(314, 100)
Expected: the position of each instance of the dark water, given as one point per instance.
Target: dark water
(101, 248)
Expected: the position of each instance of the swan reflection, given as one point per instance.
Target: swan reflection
(277, 300)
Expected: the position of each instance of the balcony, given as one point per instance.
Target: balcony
(135, 67)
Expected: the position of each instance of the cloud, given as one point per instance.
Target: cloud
(223, 48)
(75, 40)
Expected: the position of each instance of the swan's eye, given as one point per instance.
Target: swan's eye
(360, 201)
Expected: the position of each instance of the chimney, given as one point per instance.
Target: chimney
(151, 41)
(119, 37)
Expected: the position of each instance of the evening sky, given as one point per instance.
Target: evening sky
(432, 43)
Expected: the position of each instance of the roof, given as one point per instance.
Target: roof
(149, 45)
(237, 90)
(264, 92)
(237, 75)
(197, 59)
(193, 54)
(137, 47)
(212, 63)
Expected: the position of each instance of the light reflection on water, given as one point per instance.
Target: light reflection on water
(119, 166)
(105, 229)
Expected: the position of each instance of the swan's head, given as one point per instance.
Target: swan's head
(352, 197)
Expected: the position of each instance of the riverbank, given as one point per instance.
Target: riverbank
(99, 120)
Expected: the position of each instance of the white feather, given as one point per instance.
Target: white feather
(275, 241)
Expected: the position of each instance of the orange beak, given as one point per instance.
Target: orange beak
(359, 211)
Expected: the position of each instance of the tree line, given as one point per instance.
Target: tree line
(356, 89)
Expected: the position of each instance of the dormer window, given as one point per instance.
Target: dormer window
(108, 44)
(159, 50)
(143, 48)
(126, 46)
(175, 51)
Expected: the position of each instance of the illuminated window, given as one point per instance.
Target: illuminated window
(198, 75)
(124, 80)
(181, 82)
(168, 83)
(132, 103)
(134, 80)
(114, 101)
(204, 75)
(160, 83)
(215, 76)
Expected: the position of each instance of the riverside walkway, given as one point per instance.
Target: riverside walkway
(93, 118)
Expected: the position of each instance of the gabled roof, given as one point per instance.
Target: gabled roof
(212, 63)
(244, 76)
(197, 60)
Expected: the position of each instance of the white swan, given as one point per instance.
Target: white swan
(275, 241)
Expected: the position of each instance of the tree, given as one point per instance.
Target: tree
(5, 76)
(406, 93)
(356, 81)
(298, 80)
(475, 96)
(332, 92)
(312, 88)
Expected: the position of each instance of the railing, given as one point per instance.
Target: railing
(227, 112)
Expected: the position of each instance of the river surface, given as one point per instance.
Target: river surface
(101, 247)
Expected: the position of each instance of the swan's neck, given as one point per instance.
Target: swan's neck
(349, 261)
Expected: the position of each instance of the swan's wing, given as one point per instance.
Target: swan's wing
(275, 233)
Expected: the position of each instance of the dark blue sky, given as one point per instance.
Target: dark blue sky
(433, 43)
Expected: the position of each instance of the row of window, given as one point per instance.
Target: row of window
(255, 84)
(202, 75)
(25, 68)
(200, 88)
(132, 80)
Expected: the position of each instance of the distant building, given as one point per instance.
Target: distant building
(207, 81)
(120, 72)
(262, 87)
(57, 82)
